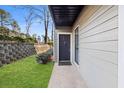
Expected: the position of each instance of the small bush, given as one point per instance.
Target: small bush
(50, 52)
(19, 39)
(1, 37)
(4, 31)
(10, 35)
(44, 57)
(5, 37)
(30, 39)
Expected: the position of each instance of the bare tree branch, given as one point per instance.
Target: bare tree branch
(29, 20)
(43, 15)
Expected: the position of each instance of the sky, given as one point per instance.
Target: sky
(19, 14)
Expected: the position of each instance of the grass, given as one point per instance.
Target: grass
(25, 73)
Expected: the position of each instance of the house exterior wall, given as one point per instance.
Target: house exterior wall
(98, 41)
(121, 47)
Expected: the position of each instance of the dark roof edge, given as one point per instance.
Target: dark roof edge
(51, 15)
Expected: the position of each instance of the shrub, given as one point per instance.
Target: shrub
(44, 57)
(50, 52)
(10, 35)
(4, 31)
(5, 37)
(30, 39)
(19, 39)
(1, 37)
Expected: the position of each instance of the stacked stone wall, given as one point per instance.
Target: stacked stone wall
(11, 51)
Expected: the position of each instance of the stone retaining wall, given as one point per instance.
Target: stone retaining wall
(11, 51)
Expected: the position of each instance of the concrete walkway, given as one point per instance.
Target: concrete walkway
(66, 77)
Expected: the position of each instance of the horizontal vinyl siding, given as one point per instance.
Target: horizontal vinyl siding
(98, 41)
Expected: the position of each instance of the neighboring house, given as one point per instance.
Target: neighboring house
(87, 36)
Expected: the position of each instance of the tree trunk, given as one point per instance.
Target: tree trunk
(46, 21)
(46, 32)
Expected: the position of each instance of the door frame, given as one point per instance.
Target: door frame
(75, 64)
(78, 46)
(66, 33)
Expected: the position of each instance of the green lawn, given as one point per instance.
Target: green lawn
(25, 73)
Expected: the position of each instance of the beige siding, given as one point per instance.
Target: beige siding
(98, 41)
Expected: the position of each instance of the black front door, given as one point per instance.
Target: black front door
(64, 47)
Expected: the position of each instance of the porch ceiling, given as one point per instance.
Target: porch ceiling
(65, 15)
